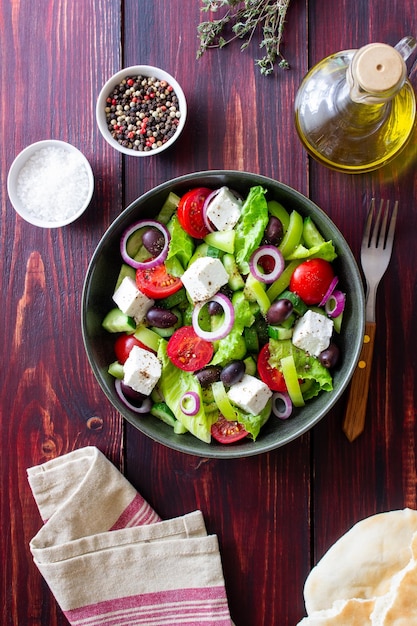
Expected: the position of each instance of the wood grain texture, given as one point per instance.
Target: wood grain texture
(275, 514)
(377, 471)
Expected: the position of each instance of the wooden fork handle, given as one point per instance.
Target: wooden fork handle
(354, 420)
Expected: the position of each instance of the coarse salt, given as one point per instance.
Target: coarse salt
(53, 184)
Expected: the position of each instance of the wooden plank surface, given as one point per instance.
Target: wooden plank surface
(275, 514)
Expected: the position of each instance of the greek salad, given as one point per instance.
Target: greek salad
(227, 312)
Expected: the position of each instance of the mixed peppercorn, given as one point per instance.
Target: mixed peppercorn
(142, 113)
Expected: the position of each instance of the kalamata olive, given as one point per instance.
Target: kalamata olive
(214, 308)
(208, 375)
(131, 394)
(153, 240)
(232, 373)
(161, 318)
(274, 231)
(279, 311)
(329, 357)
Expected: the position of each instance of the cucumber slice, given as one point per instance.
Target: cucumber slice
(222, 239)
(118, 322)
(148, 337)
(174, 299)
(250, 365)
(279, 332)
(168, 208)
(236, 281)
(116, 369)
(299, 306)
(164, 413)
(125, 270)
(251, 339)
(311, 235)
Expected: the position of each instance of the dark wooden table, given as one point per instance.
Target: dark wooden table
(275, 514)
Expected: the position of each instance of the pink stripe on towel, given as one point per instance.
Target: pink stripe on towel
(138, 512)
(177, 607)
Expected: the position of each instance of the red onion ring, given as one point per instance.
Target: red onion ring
(206, 203)
(153, 262)
(225, 328)
(279, 398)
(335, 304)
(145, 406)
(192, 398)
(276, 255)
(329, 291)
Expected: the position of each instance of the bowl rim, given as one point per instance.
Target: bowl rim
(15, 168)
(146, 70)
(192, 445)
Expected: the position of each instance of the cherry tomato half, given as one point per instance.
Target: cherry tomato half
(188, 351)
(190, 212)
(155, 282)
(227, 431)
(271, 376)
(124, 344)
(311, 280)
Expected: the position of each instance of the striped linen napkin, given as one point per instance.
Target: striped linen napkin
(110, 560)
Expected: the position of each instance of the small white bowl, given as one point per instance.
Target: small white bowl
(114, 81)
(50, 183)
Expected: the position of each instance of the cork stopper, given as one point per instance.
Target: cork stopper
(379, 68)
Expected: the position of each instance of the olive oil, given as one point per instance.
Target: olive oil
(355, 110)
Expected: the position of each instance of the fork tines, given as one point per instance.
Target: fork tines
(378, 236)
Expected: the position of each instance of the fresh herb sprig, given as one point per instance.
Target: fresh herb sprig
(241, 19)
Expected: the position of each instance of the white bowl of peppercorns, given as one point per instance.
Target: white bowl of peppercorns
(141, 110)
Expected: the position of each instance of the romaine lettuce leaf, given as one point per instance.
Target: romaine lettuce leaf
(254, 423)
(173, 384)
(308, 367)
(250, 227)
(231, 347)
(181, 247)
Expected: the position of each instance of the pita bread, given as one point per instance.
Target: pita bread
(361, 564)
(399, 606)
(348, 613)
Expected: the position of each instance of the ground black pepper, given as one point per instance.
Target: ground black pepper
(142, 113)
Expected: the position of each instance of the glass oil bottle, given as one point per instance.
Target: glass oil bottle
(355, 110)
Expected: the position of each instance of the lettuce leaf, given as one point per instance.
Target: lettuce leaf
(231, 347)
(308, 367)
(173, 384)
(254, 423)
(181, 248)
(250, 227)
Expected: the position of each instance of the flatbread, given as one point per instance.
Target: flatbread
(361, 564)
(399, 606)
(348, 613)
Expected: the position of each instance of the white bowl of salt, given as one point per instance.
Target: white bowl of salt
(50, 183)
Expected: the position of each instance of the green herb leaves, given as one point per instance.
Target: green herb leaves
(240, 20)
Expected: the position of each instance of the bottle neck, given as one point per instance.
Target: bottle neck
(376, 74)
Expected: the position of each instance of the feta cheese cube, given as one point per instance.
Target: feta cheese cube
(312, 332)
(131, 300)
(204, 278)
(250, 394)
(224, 210)
(142, 370)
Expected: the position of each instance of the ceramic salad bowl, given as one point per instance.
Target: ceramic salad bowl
(97, 300)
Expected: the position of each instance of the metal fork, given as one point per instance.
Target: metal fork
(376, 252)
